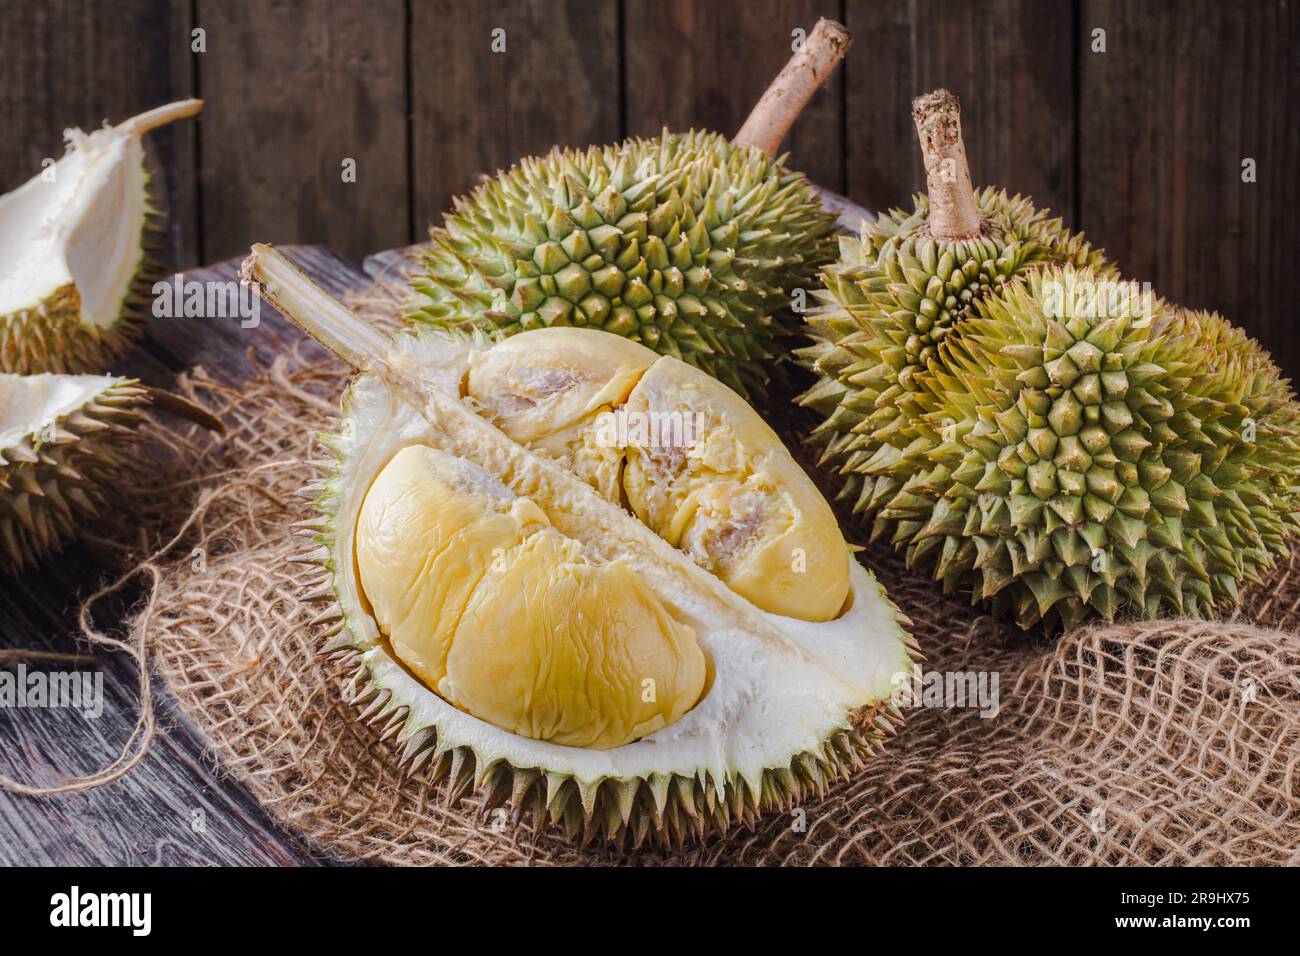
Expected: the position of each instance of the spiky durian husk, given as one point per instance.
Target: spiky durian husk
(1142, 460)
(54, 481)
(684, 243)
(52, 337)
(664, 809)
(889, 302)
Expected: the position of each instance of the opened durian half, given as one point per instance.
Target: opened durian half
(75, 251)
(690, 244)
(588, 579)
(62, 442)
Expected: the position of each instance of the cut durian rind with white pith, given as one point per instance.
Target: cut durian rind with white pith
(61, 442)
(790, 704)
(75, 270)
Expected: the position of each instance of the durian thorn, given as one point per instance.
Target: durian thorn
(160, 116)
(783, 101)
(953, 214)
(172, 404)
(300, 300)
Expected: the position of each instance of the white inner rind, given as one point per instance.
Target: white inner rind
(78, 223)
(28, 403)
(781, 686)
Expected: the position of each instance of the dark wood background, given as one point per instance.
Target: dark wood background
(1141, 146)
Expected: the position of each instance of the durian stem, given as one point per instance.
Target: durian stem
(160, 116)
(794, 86)
(300, 300)
(953, 214)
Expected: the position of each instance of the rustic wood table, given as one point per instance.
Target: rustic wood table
(176, 806)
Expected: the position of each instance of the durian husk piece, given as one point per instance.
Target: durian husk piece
(792, 707)
(686, 243)
(63, 439)
(83, 244)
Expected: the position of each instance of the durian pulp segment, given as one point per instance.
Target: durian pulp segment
(734, 499)
(778, 687)
(81, 230)
(505, 618)
(544, 392)
(700, 467)
(30, 404)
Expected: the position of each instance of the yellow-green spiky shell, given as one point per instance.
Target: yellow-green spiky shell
(672, 803)
(887, 305)
(684, 243)
(53, 337)
(57, 478)
(1093, 456)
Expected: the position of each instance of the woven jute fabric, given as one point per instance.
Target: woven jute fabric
(1173, 742)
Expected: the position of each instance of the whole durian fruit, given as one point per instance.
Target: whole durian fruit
(76, 244)
(899, 291)
(588, 579)
(1102, 453)
(63, 439)
(1069, 446)
(686, 243)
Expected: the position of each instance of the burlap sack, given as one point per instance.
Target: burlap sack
(1161, 743)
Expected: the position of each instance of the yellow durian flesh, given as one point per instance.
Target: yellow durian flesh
(503, 616)
(549, 392)
(786, 707)
(534, 385)
(734, 499)
(729, 495)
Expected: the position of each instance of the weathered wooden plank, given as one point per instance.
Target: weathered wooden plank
(176, 806)
(171, 809)
(71, 63)
(880, 141)
(295, 91)
(705, 66)
(222, 345)
(1181, 97)
(1011, 62)
(554, 81)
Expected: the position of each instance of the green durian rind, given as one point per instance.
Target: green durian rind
(894, 295)
(55, 480)
(1060, 462)
(685, 243)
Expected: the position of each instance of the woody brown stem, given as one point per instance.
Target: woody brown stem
(784, 100)
(331, 323)
(953, 214)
